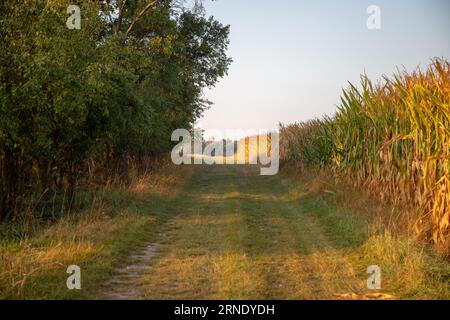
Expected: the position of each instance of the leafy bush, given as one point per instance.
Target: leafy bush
(108, 93)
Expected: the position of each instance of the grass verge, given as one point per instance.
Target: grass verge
(370, 232)
(97, 239)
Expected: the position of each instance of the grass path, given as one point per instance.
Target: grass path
(221, 232)
(239, 235)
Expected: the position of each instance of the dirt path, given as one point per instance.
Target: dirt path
(125, 283)
(239, 235)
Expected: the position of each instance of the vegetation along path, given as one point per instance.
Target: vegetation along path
(239, 235)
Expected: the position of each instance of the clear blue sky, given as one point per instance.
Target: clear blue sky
(293, 57)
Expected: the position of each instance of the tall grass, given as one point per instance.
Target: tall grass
(392, 137)
(34, 254)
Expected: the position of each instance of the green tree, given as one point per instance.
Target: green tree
(113, 90)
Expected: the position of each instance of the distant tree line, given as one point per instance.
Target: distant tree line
(106, 94)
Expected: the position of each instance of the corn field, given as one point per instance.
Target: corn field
(392, 137)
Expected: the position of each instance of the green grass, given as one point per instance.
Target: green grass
(97, 240)
(227, 233)
(243, 236)
(348, 217)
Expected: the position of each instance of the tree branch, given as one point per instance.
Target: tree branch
(122, 4)
(142, 13)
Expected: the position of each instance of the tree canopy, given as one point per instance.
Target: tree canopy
(114, 89)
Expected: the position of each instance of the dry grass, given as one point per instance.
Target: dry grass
(20, 265)
(399, 219)
(119, 219)
(410, 268)
(227, 234)
(243, 236)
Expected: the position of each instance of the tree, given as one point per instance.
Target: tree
(115, 89)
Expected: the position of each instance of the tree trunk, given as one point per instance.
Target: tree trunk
(10, 175)
(45, 180)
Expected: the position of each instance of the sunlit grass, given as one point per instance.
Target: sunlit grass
(228, 233)
(96, 239)
(291, 241)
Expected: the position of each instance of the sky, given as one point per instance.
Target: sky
(292, 58)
